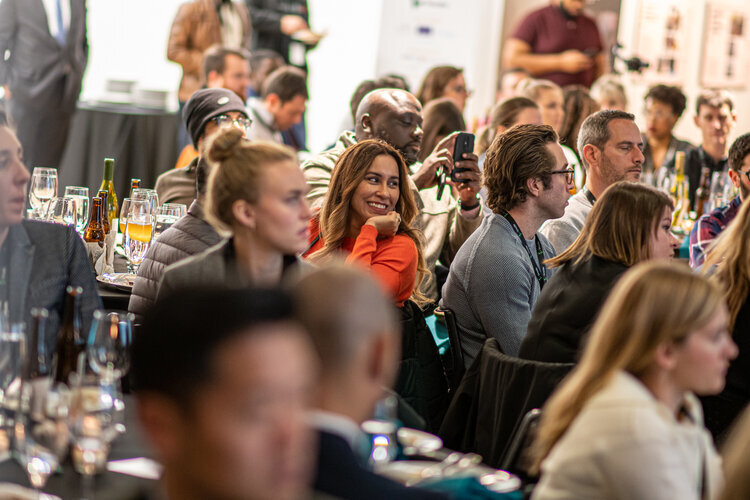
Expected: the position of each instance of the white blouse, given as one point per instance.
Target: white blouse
(626, 444)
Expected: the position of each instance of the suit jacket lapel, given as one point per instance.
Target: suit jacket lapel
(21, 258)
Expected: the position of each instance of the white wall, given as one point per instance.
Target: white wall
(128, 44)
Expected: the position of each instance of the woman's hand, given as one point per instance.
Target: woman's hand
(387, 225)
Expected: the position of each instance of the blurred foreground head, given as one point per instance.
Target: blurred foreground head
(223, 380)
(354, 328)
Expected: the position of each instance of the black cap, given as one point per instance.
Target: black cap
(206, 104)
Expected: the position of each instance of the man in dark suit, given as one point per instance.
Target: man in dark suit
(38, 260)
(355, 330)
(42, 77)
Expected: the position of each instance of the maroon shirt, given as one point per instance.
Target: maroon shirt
(549, 31)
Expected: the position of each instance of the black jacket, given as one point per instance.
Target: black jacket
(567, 308)
(340, 475)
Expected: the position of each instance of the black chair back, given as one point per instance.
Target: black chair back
(494, 396)
(453, 359)
(517, 460)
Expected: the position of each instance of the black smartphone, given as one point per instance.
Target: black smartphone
(464, 144)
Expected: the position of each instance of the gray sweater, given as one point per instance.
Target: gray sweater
(563, 232)
(492, 287)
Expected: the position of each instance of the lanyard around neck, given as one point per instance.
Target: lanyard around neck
(541, 273)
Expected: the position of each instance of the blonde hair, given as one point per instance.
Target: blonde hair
(237, 168)
(620, 226)
(728, 259)
(654, 302)
(736, 463)
(531, 88)
(609, 87)
(349, 171)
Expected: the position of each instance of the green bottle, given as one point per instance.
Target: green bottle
(113, 208)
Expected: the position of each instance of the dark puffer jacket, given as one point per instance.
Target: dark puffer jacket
(188, 236)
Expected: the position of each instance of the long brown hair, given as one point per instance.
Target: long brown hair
(349, 171)
(620, 226)
(435, 81)
(441, 117)
(654, 302)
(728, 260)
(504, 114)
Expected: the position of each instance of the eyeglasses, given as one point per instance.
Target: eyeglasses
(569, 174)
(460, 89)
(747, 174)
(226, 121)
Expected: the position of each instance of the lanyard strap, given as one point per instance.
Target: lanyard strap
(541, 274)
(589, 195)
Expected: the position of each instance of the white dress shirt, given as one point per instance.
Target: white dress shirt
(50, 6)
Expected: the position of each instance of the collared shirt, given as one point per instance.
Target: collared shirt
(50, 6)
(339, 425)
(708, 227)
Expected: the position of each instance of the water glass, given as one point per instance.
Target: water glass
(43, 187)
(82, 205)
(147, 194)
(12, 356)
(62, 211)
(166, 215)
(108, 345)
(93, 422)
(139, 231)
(41, 428)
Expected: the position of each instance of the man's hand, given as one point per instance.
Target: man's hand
(426, 176)
(291, 24)
(387, 225)
(467, 191)
(574, 61)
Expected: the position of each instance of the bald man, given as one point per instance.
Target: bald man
(356, 333)
(395, 116)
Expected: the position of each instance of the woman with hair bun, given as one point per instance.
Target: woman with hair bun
(256, 196)
(625, 423)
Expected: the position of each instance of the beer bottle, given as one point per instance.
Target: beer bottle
(105, 216)
(134, 184)
(703, 193)
(35, 364)
(94, 231)
(108, 185)
(69, 341)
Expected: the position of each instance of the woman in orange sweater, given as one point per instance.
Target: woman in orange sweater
(367, 216)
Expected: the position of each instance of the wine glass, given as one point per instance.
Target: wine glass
(12, 354)
(147, 194)
(43, 187)
(124, 214)
(166, 215)
(61, 211)
(109, 342)
(81, 196)
(93, 425)
(139, 231)
(41, 428)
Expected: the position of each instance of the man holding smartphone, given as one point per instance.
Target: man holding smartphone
(559, 43)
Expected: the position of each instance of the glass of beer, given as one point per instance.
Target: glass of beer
(139, 232)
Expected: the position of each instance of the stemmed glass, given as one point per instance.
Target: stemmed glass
(12, 354)
(41, 428)
(62, 211)
(80, 195)
(147, 194)
(43, 187)
(139, 231)
(108, 349)
(166, 215)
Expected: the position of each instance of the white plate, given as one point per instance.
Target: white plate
(118, 281)
(422, 442)
(412, 472)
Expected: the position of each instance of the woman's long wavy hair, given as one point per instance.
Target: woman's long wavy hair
(335, 214)
(728, 262)
(620, 226)
(654, 302)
